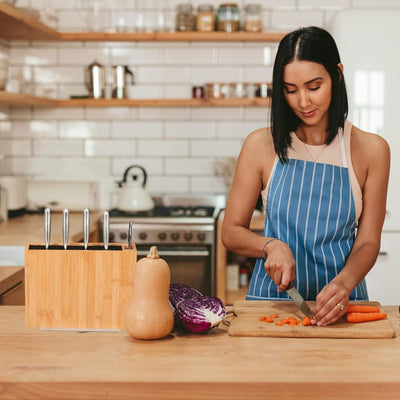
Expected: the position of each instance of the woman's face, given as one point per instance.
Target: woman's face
(307, 87)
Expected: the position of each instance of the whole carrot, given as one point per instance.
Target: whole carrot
(362, 309)
(364, 317)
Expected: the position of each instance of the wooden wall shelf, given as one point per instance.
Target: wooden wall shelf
(19, 99)
(174, 36)
(18, 25)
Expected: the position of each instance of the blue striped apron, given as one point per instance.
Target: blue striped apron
(310, 207)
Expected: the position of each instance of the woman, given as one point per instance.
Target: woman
(320, 179)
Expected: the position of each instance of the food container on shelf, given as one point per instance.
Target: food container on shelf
(205, 20)
(238, 89)
(185, 20)
(262, 89)
(214, 90)
(252, 18)
(228, 17)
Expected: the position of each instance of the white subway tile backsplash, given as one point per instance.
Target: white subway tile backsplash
(111, 113)
(58, 113)
(216, 113)
(161, 75)
(289, 20)
(190, 129)
(375, 3)
(236, 129)
(93, 148)
(190, 55)
(202, 75)
(33, 56)
(15, 147)
(136, 129)
(35, 129)
(275, 5)
(261, 114)
(135, 56)
(164, 113)
(163, 148)
(189, 166)
(152, 165)
(84, 129)
(258, 74)
(245, 56)
(57, 147)
(84, 56)
(145, 92)
(177, 91)
(215, 148)
(168, 184)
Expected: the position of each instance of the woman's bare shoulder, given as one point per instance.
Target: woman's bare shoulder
(260, 138)
(369, 144)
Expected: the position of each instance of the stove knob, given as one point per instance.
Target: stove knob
(201, 236)
(123, 236)
(142, 235)
(162, 235)
(175, 235)
(188, 236)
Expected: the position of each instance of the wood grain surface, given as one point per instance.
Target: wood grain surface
(56, 365)
(247, 322)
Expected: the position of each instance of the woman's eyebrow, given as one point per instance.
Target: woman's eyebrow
(306, 83)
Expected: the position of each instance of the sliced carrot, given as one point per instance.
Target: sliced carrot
(362, 308)
(262, 318)
(268, 319)
(278, 323)
(274, 316)
(306, 321)
(363, 316)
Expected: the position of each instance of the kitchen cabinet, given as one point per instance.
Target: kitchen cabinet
(12, 288)
(17, 25)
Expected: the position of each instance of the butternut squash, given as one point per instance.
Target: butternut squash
(149, 315)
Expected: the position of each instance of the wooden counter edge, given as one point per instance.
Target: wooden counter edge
(9, 277)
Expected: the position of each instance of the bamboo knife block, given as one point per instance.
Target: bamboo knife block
(77, 288)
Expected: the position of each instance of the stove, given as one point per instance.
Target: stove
(184, 231)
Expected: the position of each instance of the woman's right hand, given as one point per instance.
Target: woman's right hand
(280, 264)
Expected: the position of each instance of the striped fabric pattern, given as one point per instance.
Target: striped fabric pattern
(310, 207)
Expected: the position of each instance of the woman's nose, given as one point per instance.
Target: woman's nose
(304, 100)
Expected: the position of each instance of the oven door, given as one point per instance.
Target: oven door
(189, 265)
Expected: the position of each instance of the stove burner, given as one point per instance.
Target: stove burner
(164, 211)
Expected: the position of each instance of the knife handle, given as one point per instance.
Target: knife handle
(65, 228)
(47, 227)
(106, 229)
(86, 221)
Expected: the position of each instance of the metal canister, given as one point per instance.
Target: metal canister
(94, 80)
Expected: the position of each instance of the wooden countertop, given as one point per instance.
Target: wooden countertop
(107, 365)
(30, 228)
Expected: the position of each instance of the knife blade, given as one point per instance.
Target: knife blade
(47, 227)
(130, 234)
(299, 301)
(106, 229)
(86, 221)
(65, 228)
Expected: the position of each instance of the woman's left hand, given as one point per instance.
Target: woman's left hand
(331, 304)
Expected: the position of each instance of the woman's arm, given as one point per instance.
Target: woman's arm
(253, 168)
(371, 161)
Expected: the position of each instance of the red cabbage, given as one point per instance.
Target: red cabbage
(200, 314)
(179, 292)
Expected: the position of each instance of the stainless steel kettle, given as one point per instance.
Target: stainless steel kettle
(95, 80)
(133, 195)
(122, 77)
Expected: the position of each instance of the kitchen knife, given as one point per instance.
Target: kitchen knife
(299, 301)
(106, 229)
(86, 221)
(130, 234)
(65, 228)
(47, 227)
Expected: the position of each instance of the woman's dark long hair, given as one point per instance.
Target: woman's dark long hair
(306, 44)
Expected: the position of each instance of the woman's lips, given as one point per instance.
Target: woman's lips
(309, 113)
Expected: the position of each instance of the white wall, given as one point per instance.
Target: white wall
(177, 146)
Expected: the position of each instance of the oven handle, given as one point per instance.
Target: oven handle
(192, 253)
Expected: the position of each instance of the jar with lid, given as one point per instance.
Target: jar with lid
(205, 20)
(252, 19)
(228, 17)
(185, 20)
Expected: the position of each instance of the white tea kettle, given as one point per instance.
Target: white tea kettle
(133, 194)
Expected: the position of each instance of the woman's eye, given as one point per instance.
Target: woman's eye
(314, 88)
(290, 91)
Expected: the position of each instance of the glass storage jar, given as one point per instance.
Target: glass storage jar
(214, 90)
(185, 20)
(205, 20)
(252, 19)
(228, 17)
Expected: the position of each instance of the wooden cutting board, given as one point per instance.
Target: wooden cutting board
(247, 322)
